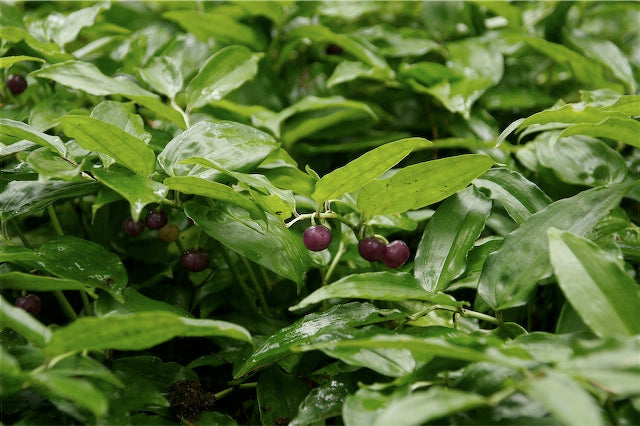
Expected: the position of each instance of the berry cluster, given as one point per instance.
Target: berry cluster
(373, 249)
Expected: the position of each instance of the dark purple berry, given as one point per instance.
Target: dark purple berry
(396, 254)
(156, 219)
(372, 248)
(195, 260)
(333, 49)
(16, 84)
(169, 233)
(132, 228)
(30, 303)
(316, 237)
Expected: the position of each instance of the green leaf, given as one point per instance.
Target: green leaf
(628, 104)
(136, 331)
(324, 402)
(22, 281)
(50, 165)
(279, 395)
(422, 407)
(387, 286)
(122, 115)
(50, 51)
(448, 237)
(7, 61)
(80, 391)
(214, 190)
(365, 168)
(84, 261)
(604, 295)
(64, 29)
(272, 246)
(88, 78)
(96, 135)
(625, 130)
(21, 131)
(422, 184)
(133, 302)
(233, 146)
(24, 323)
(21, 197)
(311, 329)
(164, 75)
(136, 189)
(216, 25)
(567, 400)
(228, 69)
(511, 273)
(519, 196)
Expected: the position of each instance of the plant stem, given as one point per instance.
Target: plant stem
(54, 220)
(25, 242)
(481, 316)
(227, 391)
(334, 262)
(256, 286)
(88, 309)
(65, 305)
(243, 285)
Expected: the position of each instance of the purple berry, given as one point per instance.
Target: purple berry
(396, 254)
(372, 249)
(156, 219)
(30, 303)
(333, 49)
(316, 238)
(195, 260)
(132, 228)
(169, 233)
(16, 84)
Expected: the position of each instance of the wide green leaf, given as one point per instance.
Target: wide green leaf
(97, 135)
(387, 286)
(136, 331)
(7, 61)
(625, 130)
(605, 296)
(132, 302)
(279, 395)
(448, 237)
(228, 69)
(564, 398)
(422, 184)
(511, 273)
(324, 401)
(23, 281)
(233, 146)
(50, 165)
(365, 168)
(80, 391)
(311, 329)
(164, 75)
(64, 29)
(22, 131)
(23, 323)
(136, 189)
(88, 78)
(217, 191)
(270, 245)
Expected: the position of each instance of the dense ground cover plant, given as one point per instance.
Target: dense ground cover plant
(319, 212)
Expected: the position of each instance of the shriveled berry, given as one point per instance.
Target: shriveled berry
(396, 254)
(156, 219)
(316, 238)
(169, 233)
(372, 248)
(30, 303)
(16, 84)
(333, 49)
(195, 260)
(132, 228)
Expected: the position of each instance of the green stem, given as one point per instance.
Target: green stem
(481, 316)
(54, 220)
(243, 285)
(65, 305)
(256, 286)
(24, 240)
(88, 309)
(334, 262)
(227, 391)
(265, 277)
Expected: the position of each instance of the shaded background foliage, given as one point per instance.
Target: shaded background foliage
(520, 303)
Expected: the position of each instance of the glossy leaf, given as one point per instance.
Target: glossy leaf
(233, 146)
(88, 78)
(132, 302)
(23, 281)
(604, 295)
(51, 165)
(422, 184)
(270, 245)
(122, 115)
(510, 274)
(228, 69)
(64, 29)
(519, 196)
(323, 402)
(448, 237)
(214, 190)
(164, 75)
(279, 395)
(387, 286)
(136, 189)
(7, 61)
(365, 168)
(24, 323)
(623, 130)
(567, 400)
(96, 135)
(141, 330)
(314, 328)
(22, 131)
